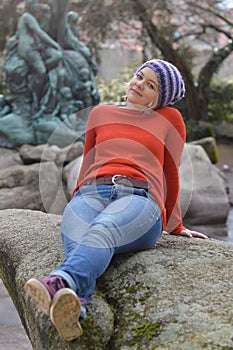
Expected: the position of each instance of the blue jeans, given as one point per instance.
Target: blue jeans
(101, 221)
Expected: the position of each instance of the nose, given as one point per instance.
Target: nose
(140, 83)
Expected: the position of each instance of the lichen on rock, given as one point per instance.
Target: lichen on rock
(177, 296)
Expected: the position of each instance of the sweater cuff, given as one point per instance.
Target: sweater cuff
(178, 229)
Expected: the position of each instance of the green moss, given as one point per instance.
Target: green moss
(100, 293)
(132, 289)
(113, 309)
(145, 332)
(91, 334)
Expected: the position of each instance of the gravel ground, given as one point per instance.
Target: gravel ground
(12, 334)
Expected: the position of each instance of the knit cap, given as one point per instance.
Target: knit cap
(171, 84)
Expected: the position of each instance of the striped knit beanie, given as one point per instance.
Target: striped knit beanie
(171, 84)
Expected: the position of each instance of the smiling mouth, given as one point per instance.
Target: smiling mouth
(136, 92)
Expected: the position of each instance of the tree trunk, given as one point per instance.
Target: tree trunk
(172, 56)
(207, 73)
(196, 96)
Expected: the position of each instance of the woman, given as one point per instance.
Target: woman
(127, 192)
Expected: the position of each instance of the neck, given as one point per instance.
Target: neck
(140, 108)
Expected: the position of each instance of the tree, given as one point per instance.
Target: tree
(169, 29)
(174, 28)
(8, 20)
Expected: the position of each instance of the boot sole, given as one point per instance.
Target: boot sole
(65, 312)
(39, 294)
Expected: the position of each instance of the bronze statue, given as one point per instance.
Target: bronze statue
(51, 76)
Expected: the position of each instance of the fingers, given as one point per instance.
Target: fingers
(199, 235)
(190, 234)
(186, 234)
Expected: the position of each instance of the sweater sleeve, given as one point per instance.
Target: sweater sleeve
(173, 150)
(89, 149)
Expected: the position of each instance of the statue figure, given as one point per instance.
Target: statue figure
(51, 77)
(72, 42)
(5, 107)
(85, 90)
(67, 105)
(36, 47)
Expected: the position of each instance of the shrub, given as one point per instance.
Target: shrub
(221, 101)
(113, 91)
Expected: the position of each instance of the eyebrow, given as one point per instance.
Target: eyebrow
(151, 80)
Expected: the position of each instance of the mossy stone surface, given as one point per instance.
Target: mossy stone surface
(178, 296)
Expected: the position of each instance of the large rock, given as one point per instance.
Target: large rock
(9, 158)
(224, 130)
(32, 186)
(210, 146)
(46, 153)
(203, 195)
(177, 296)
(70, 174)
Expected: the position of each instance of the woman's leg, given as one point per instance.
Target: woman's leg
(100, 221)
(79, 213)
(130, 221)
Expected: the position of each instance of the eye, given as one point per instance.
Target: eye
(139, 76)
(151, 86)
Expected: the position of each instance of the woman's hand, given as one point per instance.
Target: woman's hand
(188, 233)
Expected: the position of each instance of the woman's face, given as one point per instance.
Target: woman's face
(143, 89)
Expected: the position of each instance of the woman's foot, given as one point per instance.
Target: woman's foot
(43, 290)
(65, 313)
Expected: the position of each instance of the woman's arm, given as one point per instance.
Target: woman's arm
(173, 151)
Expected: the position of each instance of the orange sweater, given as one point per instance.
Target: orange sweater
(141, 146)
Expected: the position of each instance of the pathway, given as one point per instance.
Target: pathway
(12, 334)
